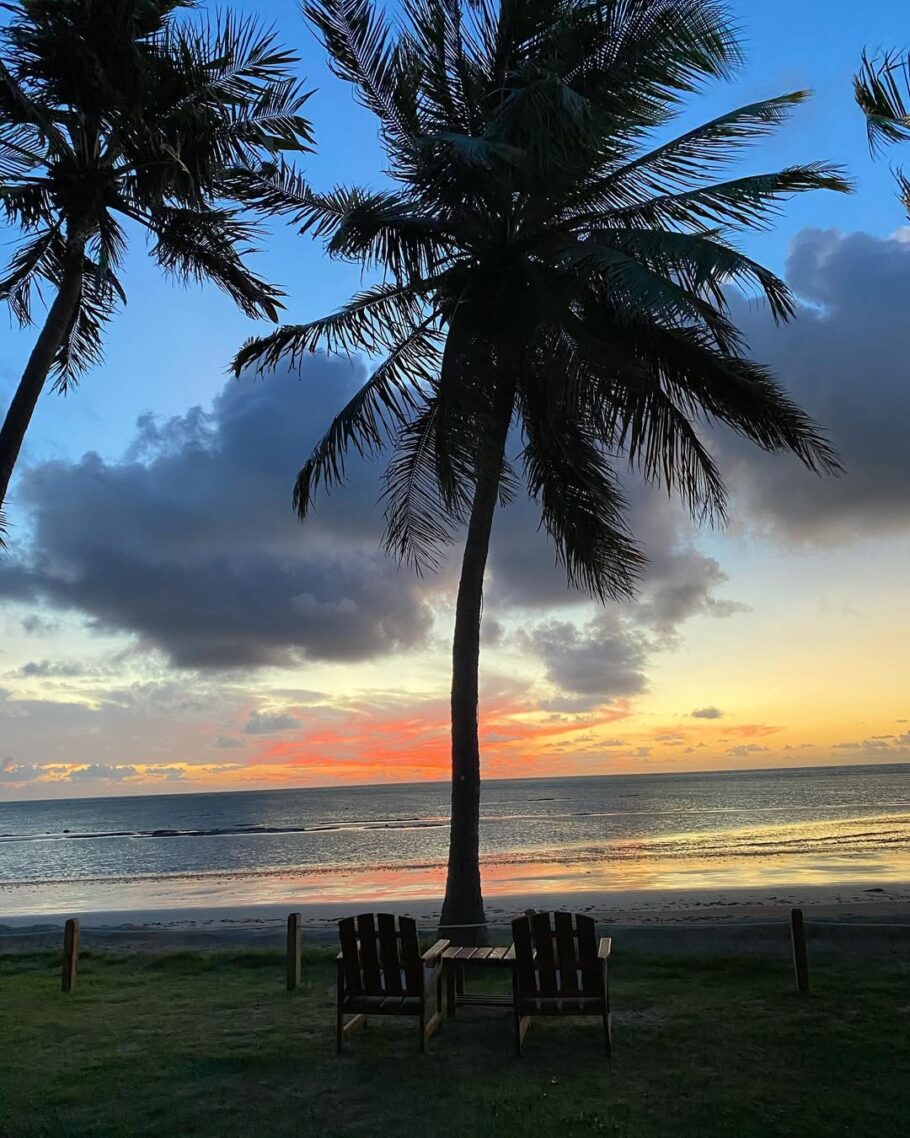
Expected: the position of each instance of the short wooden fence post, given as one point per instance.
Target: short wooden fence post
(293, 951)
(800, 950)
(70, 954)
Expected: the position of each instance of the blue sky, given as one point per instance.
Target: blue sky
(171, 345)
(792, 627)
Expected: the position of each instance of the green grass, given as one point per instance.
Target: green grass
(188, 1044)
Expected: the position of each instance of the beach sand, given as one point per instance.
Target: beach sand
(844, 918)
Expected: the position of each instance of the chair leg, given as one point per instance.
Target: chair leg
(339, 1031)
(521, 1030)
(608, 1033)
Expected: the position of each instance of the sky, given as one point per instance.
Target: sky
(167, 625)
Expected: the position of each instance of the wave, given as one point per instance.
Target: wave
(846, 838)
(226, 831)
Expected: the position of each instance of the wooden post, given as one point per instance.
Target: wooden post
(800, 951)
(293, 951)
(70, 954)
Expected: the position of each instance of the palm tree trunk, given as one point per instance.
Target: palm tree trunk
(463, 918)
(56, 327)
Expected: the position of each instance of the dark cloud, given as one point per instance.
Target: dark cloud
(34, 625)
(50, 668)
(845, 360)
(269, 722)
(707, 713)
(601, 661)
(227, 742)
(190, 542)
(11, 771)
(103, 772)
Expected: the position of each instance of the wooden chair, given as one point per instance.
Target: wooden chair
(560, 970)
(381, 972)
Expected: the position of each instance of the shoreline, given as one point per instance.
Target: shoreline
(702, 920)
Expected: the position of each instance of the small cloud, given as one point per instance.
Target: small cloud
(104, 772)
(269, 723)
(227, 742)
(706, 713)
(640, 753)
(35, 625)
(50, 668)
(744, 749)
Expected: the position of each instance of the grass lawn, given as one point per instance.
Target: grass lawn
(188, 1044)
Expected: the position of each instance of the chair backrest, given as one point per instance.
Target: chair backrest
(556, 955)
(380, 955)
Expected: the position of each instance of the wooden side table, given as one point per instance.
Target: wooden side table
(454, 961)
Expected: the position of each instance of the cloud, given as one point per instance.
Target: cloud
(706, 713)
(190, 543)
(599, 662)
(269, 723)
(103, 772)
(34, 625)
(744, 749)
(845, 360)
(227, 742)
(51, 668)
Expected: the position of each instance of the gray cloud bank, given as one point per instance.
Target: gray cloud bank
(189, 541)
(845, 360)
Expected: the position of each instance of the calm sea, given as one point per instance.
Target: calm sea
(846, 825)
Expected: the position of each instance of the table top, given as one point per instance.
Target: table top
(481, 955)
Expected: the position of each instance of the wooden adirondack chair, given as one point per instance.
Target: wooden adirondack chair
(381, 972)
(560, 969)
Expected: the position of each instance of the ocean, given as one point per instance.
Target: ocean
(679, 832)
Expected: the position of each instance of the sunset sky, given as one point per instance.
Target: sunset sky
(166, 623)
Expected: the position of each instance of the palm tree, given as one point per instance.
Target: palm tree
(881, 88)
(113, 111)
(547, 267)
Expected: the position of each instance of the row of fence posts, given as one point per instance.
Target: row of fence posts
(295, 944)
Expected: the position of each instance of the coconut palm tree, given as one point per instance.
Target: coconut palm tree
(548, 267)
(881, 88)
(115, 112)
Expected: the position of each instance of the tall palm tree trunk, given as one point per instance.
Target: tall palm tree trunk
(56, 328)
(463, 918)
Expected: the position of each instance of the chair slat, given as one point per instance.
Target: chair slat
(524, 957)
(546, 959)
(350, 956)
(591, 970)
(565, 953)
(410, 955)
(369, 954)
(388, 953)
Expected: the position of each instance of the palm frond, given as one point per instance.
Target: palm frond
(881, 88)
(397, 388)
(359, 43)
(582, 506)
(750, 202)
(376, 320)
(210, 244)
(418, 525)
(692, 156)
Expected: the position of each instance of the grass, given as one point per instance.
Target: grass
(189, 1044)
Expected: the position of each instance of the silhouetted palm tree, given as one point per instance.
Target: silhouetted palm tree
(546, 264)
(113, 110)
(882, 90)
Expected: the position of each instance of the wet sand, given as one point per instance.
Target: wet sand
(870, 919)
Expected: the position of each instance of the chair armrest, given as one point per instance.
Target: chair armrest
(340, 957)
(510, 955)
(603, 949)
(433, 954)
